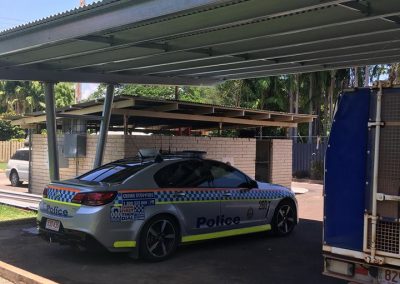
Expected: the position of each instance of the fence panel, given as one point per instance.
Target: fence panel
(304, 155)
(8, 148)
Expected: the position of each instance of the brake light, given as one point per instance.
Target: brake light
(94, 198)
(45, 192)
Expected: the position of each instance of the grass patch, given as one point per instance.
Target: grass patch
(3, 166)
(8, 213)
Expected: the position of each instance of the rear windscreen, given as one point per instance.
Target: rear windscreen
(113, 173)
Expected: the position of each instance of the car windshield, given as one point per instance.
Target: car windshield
(114, 172)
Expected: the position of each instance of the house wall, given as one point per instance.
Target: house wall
(240, 152)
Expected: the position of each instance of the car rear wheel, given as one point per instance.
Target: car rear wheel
(284, 219)
(159, 238)
(14, 179)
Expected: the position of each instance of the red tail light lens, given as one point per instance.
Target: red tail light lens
(45, 192)
(94, 198)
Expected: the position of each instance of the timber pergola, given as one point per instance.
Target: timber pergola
(147, 113)
(195, 42)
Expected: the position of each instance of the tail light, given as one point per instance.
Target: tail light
(94, 198)
(45, 192)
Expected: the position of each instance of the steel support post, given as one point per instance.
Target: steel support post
(101, 143)
(51, 131)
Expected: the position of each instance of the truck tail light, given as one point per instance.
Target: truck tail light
(94, 198)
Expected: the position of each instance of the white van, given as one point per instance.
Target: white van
(18, 167)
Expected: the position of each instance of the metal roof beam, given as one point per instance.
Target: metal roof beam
(65, 76)
(95, 21)
(299, 60)
(338, 64)
(284, 55)
(120, 16)
(275, 48)
(237, 35)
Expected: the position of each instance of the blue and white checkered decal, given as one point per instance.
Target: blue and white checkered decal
(190, 195)
(60, 194)
(256, 194)
(171, 196)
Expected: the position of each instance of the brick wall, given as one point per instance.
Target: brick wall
(239, 151)
(281, 162)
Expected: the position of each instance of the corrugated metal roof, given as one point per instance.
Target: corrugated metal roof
(58, 16)
(195, 42)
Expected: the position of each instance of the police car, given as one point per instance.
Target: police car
(148, 207)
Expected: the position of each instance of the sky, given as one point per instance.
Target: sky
(17, 12)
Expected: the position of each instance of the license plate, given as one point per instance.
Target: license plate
(387, 276)
(53, 225)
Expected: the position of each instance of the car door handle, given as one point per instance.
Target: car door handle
(228, 194)
(180, 194)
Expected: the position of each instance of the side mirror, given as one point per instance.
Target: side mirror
(252, 184)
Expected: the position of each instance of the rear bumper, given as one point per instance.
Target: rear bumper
(358, 271)
(8, 171)
(81, 225)
(64, 236)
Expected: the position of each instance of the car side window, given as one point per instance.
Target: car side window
(21, 155)
(183, 174)
(225, 176)
(15, 156)
(24, 155)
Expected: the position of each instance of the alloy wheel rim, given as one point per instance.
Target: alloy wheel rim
(14, 178)
(285, 219)
(161, 238)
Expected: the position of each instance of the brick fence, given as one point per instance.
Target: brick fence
(240, 152)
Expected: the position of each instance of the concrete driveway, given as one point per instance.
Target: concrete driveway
(245, 259)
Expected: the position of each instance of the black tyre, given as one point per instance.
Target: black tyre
(14, 179)
(285, 218)
(159, 238)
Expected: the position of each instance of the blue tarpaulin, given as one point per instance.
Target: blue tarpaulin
(345, 177)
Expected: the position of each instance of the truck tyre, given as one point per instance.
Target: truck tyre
(284, 219)
(159, 238)
(14, 179)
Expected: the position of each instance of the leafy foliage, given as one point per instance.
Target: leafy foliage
(21, 97)
(8, 131)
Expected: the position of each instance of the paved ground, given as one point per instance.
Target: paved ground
(5, 184)
(244, 259)
(310, 203)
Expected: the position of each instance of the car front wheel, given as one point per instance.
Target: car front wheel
(14, 178)
(159, 238)
(284, 219)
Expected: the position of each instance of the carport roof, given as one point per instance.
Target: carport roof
(194, 42)
(170, 114)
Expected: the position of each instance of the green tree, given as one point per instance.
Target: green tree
(8, 131)
(64, 94)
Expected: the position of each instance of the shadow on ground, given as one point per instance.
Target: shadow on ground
(245, 259)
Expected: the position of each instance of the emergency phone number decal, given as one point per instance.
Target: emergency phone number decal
(131, 206)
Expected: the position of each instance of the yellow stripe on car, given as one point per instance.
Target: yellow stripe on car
(61, 202)
(227, 233)
(124, 244)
